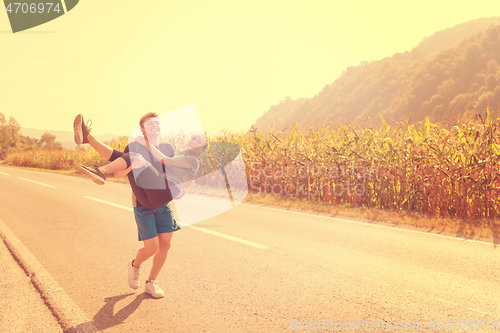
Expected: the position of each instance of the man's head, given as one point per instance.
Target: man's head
(150, 125)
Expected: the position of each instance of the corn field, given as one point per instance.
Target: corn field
(450, 172)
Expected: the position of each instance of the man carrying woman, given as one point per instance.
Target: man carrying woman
(151, 188)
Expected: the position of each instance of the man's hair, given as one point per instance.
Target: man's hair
(146, 116)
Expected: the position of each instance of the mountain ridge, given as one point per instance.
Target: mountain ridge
(406, 84)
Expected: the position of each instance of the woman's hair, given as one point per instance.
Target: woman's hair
(203, 137)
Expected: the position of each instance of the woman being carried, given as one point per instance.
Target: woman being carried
(179, 170)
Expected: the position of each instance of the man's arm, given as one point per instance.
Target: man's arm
(137, 162)
(121, 174)
(179, 161)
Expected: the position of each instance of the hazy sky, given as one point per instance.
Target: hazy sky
(115, 60)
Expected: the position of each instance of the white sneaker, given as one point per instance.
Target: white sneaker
(133, 276)
(153, 289)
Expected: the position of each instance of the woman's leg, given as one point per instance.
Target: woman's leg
(102, 149)
(117, 165)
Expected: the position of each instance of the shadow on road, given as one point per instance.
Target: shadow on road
(105, 318)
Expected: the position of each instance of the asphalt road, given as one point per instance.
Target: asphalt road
(250, 269)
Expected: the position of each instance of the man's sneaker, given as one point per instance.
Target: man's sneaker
(93, 173)
(81, 130)
(153, 289)
(133, 276)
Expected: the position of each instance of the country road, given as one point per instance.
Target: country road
(250, 269)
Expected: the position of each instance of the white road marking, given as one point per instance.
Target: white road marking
(214, 233)
(204, 196)
(475, 310)
(372, 225)
(235, 239)
(32, 181)
(444, 301)
(5, 174)
(110, 203)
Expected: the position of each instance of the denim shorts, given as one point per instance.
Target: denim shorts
(151, 222)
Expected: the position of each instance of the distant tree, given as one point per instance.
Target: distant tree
(438, 112)
(483, 101)
(48, 141)
(491, 65)
(448, 89)
(491, 82)
(26, 143)
(459, 102)
(474, 88)
(496, 95)
(9, 135)
(436, 100)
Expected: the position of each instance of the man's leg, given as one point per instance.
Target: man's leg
(150, 248)
(164, 240)
(165, 226)
(152, 288)
(146, 228)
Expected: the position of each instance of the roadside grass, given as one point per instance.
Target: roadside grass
(459, 227)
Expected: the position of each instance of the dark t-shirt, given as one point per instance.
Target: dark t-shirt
(158, 183)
